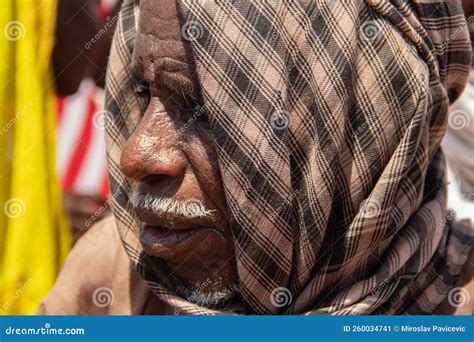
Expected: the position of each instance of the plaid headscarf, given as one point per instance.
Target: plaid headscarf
(327, 117)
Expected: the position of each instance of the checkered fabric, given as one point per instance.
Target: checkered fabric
(327, 118)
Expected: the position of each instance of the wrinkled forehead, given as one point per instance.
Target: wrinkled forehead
(159, 18)
(159, 43)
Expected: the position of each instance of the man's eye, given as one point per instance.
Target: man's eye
(141, 90)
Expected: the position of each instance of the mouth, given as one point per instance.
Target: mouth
(164, 242)
(171, 221)
(168, 236)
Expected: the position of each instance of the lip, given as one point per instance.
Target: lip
(171, 236)
(165, 243)
(170, 221)
(167, 235)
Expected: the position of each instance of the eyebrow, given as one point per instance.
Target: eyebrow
(164, 79)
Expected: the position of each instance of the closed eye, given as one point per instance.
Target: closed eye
(179, 85)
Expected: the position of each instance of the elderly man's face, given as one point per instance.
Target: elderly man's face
(171, 161)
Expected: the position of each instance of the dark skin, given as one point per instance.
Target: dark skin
(165, 160)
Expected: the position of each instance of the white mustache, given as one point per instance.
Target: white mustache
(208, 299)
(191, 208)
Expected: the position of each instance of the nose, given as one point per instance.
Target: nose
(154, 148)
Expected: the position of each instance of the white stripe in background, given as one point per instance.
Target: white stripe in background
(71, 125)
(90, 177)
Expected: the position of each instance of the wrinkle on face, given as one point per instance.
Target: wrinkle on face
(160, 49)
(146, 143)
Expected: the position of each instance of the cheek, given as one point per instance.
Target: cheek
(201, 151)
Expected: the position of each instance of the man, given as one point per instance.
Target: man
(276, 158)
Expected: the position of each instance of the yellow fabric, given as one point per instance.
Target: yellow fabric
(34, 236)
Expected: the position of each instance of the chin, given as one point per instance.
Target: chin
(208, 298)
(209, 285)
(195, 275)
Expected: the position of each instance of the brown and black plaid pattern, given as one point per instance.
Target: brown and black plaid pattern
(327, 117)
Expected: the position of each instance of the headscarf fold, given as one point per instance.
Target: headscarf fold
(327, 117)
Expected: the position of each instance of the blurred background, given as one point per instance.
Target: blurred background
(53, 180)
